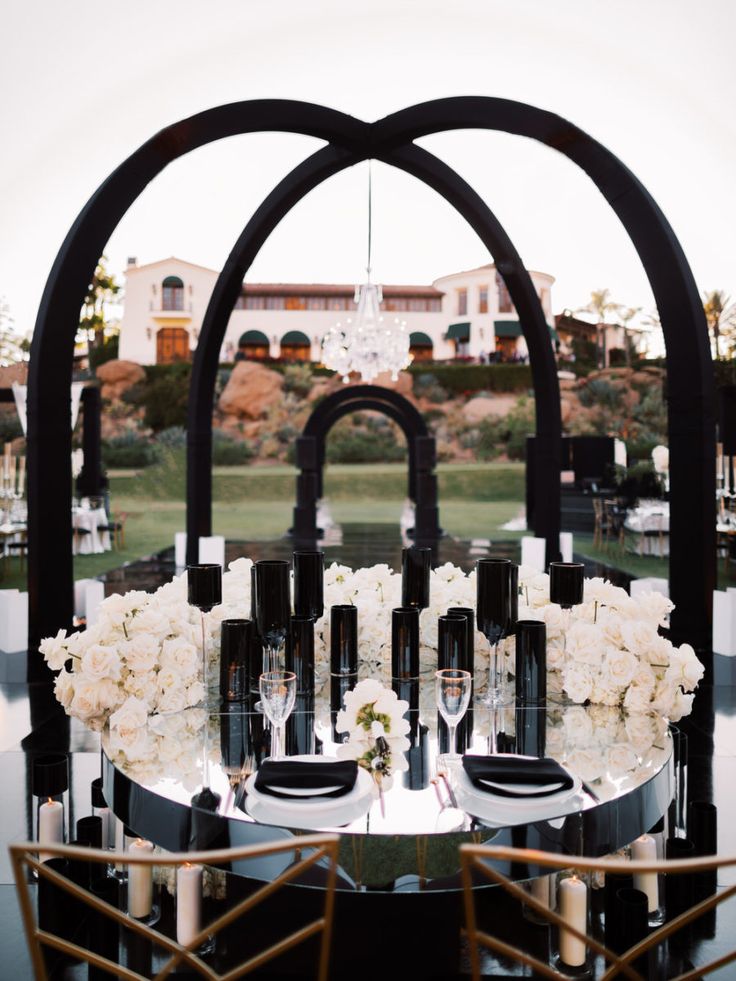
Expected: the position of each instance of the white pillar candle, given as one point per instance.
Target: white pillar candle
(140, 881)
(188, 902)
(644, 849)
(50, 826)
(573, 900)
(22, 476)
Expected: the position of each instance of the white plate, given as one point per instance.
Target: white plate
(493, 807)
(310, 812)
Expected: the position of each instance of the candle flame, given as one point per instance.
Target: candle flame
(51, 800)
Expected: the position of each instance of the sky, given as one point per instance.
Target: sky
(85, 84)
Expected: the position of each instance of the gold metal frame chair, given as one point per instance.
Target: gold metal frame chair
(475, 859)
(24, 858)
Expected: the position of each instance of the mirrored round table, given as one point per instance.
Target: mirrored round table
(405, 840)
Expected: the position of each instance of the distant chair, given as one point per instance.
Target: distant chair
(614, 519)
(116, 529)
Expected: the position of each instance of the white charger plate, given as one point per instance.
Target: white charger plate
(310, 812)
(488, 806)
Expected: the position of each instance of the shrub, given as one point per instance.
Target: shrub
(463, 379)
(175, 437)
(129, 450)
(107, 351)
(228, 451)
(507, 433)
(166, 395)
(426, 386)
(298, 379)
(364, 440)
(600, 392)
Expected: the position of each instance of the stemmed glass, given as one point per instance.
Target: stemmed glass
(273, 610)
(204, 590)
(497, 613)
(453, 695)
(278, 692)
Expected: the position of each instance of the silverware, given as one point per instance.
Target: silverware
(450, 792)
(590, 792)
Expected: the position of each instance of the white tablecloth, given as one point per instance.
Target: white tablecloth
(96, 541)
(654, 519)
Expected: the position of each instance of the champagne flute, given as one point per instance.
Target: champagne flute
(453, 695)
(497, 612)
(278, 692)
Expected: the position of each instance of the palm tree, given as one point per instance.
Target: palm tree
(601, 305)
(102, 290)
(626, 315)
(720, 315)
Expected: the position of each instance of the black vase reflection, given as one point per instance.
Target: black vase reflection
(236, 744)
(300, 652)
(531, 661)
(301, 739)
(405, 643)
(418, 775)
(531, 730)
(343, 652)
(204, 590)
(236, 639)
(273, 609)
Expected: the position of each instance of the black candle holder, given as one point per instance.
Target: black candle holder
(236, 638)
(204, 590)
(452, 642)
(343, 652)
(468, 613)
(416, 564)
(273, 610)
(405, 643)
(630, 910)
(50, 785)
(309, 574)
(300, 652)
(566, 583)
(497, 606)
(531, 661)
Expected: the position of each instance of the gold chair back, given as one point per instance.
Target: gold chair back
(308, 849)
(475, 861)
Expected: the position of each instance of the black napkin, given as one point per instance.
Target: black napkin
(511, 770)
(302, 775)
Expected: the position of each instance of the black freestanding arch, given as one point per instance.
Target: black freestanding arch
(691, 408)
(422, 457)
(445, 181)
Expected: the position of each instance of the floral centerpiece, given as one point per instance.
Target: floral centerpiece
(144, 651)
(376, 727)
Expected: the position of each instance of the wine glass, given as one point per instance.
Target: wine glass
(497, 611)
(453, 695)
(272, 609)
(278, 692)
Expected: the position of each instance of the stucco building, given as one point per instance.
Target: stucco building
(465, 314)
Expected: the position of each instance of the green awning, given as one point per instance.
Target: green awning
(418, 338)
(172, 281)
(295, 337)
(253, 337)
(458, 332)
(507, 328)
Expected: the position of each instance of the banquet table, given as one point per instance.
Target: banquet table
(408, 841)
(90, 520)
(651, 522)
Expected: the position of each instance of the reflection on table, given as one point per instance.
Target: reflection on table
(409, 839)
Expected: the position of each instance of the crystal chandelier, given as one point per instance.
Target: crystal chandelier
(368, 343)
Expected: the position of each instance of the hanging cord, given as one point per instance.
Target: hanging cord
(370, 219)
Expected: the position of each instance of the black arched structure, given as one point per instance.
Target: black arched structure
(422, 457)
(691, 409)
(445, 181)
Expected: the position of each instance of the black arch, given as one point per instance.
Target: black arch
(307, 175)
(691, 390)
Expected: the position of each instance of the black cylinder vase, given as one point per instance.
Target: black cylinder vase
(531, 662)
(416, 564)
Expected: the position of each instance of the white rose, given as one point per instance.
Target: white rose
(152, 620)
(577, 682)
(143, 685)
(55, 651)
(638, 698)
(64, 688)
(101, 662)
(681, 706)
(141, 652)
(85, 704)
(620, 667)
(639, 636)
(172, 700)
(586, 763)
(180, 656)
(622, 758)
(584, 643)
(641, 730)
(132, 714)
(685, 669)
(654, 607)
(194, 693)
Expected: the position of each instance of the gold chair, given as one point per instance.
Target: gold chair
(24, 858)
(474, 860)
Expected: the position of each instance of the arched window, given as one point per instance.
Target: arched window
(252, 346)
(295, 346)
(420, 346)
(172, 290)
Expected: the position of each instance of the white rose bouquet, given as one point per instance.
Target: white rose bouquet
(376, 728)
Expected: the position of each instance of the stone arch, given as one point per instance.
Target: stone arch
(691, 399)
(422, 457)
